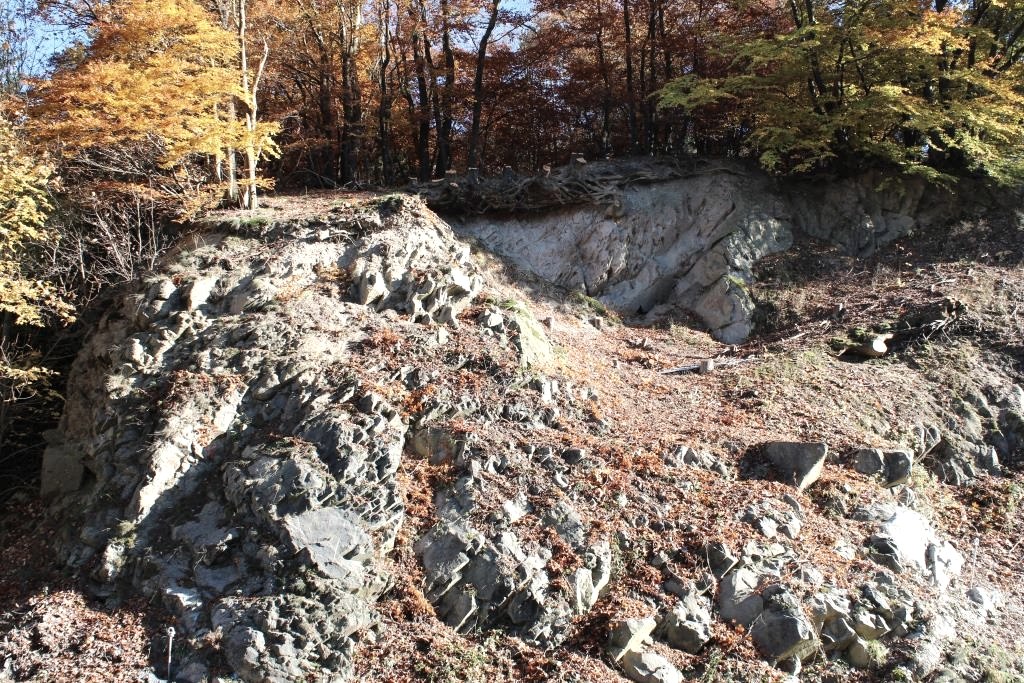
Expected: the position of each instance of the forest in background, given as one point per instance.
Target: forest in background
(152, 112)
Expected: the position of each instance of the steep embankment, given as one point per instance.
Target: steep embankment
(333, 444)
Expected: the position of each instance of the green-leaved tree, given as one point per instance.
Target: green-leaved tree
(933, 89)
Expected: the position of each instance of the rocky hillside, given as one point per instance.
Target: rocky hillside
(335, 441)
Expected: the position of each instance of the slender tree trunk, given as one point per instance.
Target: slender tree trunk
(228, 165)
(478, 85)
(324, 159)
(405, 76)
(419, 42)
(440, 144)
(445, 119)
(384, 106)
(650, 112)
(351, 93)
(328, 123)
(606, 100)
(666, 51)
(250, 88)
(630, 96)
(232, 156)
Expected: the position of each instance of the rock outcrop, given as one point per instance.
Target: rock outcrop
(287, 411)
(692, 242)
(220, 453)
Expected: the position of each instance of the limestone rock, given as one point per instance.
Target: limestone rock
(684, 241)
(216, 454)
(857, 654)
(911, 540)
(530, 340)
(330, 539)
(869, 461)
(630, 635)
(891, 467)
(693, 242)
(687, 626)
(898, 467)
(721, 559)
(198, 292)
(988, 601)
(590, 579)
(683, 456)
(837, 635)
(869, 626)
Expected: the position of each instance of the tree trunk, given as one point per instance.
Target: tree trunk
(650, 112)
(630, 100)
(250, 88)
(423, 138)
(445, 120)
(384, 106)
(478, 85)
(606, 101)
(351, 94)
(227, 167)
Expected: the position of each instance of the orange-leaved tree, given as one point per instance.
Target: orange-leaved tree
(155, 74)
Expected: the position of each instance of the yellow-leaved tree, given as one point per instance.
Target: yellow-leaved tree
(25, 301)
(156, 75)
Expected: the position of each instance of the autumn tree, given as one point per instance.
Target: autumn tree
(255, 138)
(154, 74)
(928, 89)
(26, 301)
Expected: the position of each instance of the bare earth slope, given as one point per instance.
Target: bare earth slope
(334, 442)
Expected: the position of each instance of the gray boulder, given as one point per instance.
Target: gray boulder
(837, 635)
(869, 461)
(783, 631)
(898, 466)
(687, 626)
(630, 635)
(869, 626)
(799, 464)
(858, 655)
(738, 599)
(891, 467)
(649, 667)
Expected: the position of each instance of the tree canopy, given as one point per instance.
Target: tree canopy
(931, 89)
(378, 91)
(25, 300)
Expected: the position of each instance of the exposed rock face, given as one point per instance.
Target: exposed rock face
(693, 242)
(906, 540)
(864, 213)
(238, 437)
(234, 466)
(687, 241)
